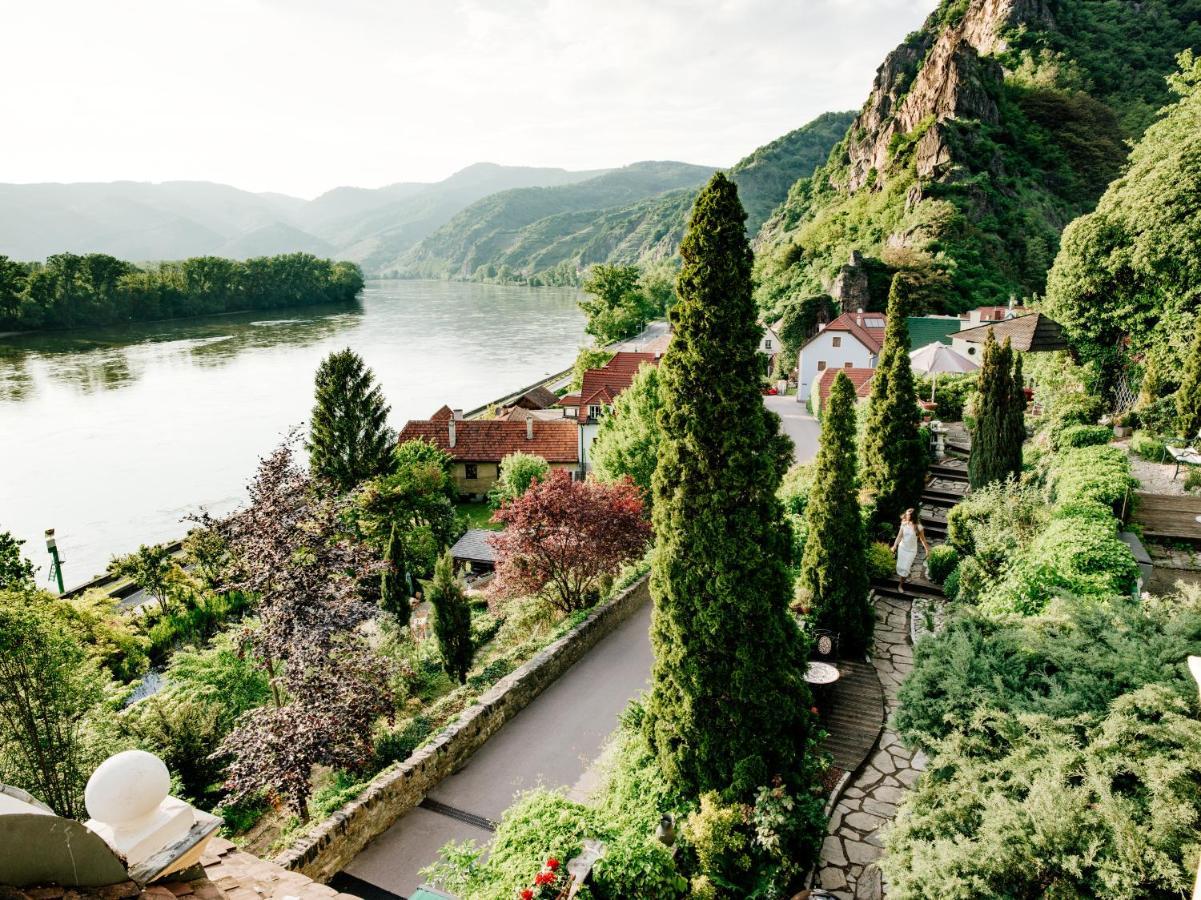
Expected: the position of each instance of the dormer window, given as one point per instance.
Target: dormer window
(594, 412)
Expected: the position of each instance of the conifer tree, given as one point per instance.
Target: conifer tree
(349, 440)
(1188, 398)
(999, 430)
(728, 703)
(833, 568)
(394, 581)
(452, 619)
(893, 466)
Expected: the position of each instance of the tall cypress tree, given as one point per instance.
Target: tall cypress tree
(394, 581)
(893, 467)
(833, 568)
(999, 429)
(349, 440)
(452, 619)
(728, 703)
(1188, 398)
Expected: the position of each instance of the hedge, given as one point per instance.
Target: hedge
(1101, 474)
(1083, 436)
(1148, 446)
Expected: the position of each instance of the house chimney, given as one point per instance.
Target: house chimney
(450, 424)
(457, 414)
(859, 317)
(529, 428)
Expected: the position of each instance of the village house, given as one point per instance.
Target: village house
(770, 343)
(1028, 332)
(851, 341)
(477, 446)
(600, 387)
(861, 380)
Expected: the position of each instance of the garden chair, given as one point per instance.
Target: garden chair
(1187, 455)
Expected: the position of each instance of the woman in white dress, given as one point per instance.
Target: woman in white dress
(905, 546)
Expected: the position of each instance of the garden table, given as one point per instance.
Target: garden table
(821, 674)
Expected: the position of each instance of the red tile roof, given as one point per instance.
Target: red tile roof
(860, 378)
(867, 327)
(995, 313)
(444, 414)
(490, 440)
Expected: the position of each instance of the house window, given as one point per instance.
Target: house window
(471, 473)
(767, 344)
(571, 412)
(594, 412)
(836, 341)
(821, 365)
(971, 351)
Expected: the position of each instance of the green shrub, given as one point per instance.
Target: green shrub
(1192, 481)
(950, 585)
(794, 489)
(1091, 473)
(1084, 509)
(880, 561)
(1148, 446)
(1159, 417)
(397, 746)
(940, 562)
(951, 394)
(1083, 436)
(995, 522)
(491, 673)
(1103, 805)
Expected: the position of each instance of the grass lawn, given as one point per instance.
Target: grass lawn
(478, 515)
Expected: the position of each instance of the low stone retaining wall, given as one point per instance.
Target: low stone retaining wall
(333, 843)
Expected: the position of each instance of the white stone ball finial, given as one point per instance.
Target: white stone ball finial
(127, 789)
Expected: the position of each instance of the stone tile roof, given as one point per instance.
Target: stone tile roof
(474, 546)
(490, 440)
(1033, 333)
(861, 379)
(225, 873)
(536, 398)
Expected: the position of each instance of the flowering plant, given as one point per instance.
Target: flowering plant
(550, 883)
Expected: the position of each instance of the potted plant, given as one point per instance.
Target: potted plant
(1124, 424)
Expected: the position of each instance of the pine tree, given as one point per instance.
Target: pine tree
(452, 619)
(349, 440)
(893, 457)
(728, 703)
(999, 430)
(393, 580)
(1188, 398)
(833, 568)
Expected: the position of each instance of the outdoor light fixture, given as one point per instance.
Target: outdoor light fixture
(56, 565)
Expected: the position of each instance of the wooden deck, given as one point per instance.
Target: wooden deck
(853, 715)
(1167, 517)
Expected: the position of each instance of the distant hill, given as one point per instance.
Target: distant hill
(145, 221)
(477, 240)
(550, 236)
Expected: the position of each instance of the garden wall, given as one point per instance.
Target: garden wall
(333, 843)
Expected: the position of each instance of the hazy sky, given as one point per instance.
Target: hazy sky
(302, 95)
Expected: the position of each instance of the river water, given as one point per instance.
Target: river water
(112, 435)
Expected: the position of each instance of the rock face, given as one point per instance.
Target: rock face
(925, 82)
(850, 286)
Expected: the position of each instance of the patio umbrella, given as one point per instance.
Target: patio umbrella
(936, 359)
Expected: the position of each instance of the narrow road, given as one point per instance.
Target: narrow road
(552, 742)
(798, 424)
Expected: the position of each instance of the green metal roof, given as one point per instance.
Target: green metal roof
(925, 330)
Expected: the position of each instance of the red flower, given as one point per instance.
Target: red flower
(544, 878)
(527, 894)
(552, 864)
(813, 709)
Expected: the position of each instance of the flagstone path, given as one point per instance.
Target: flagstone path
(852, 843)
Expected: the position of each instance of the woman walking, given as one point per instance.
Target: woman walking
(905, 546)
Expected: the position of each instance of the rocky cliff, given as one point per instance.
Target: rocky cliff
(985, 133)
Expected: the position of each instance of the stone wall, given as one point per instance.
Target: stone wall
(333, 843)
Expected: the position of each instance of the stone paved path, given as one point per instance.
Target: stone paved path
(852, 843)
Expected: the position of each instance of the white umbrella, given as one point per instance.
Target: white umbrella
(936, 359)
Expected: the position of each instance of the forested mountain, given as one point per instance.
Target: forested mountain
(1127, 281)
(574, 233)
(986, 132)
(478, 240)
(177, 219)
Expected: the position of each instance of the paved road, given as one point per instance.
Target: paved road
(798, 424)
(552, 742)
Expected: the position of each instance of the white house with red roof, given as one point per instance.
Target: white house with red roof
(852, 341)
(599, 388)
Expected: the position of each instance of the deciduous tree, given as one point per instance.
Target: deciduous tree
(517, 472)
(893, 457)
(617, 306)
(833, 567)
(452, 619)
(349, 440)
(627, 441)
(152, 568)
(728, 708)
(562, 536)
(15, 570)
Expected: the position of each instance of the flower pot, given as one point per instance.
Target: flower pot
(1122, 431)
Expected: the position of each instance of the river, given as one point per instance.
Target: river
(112, 435)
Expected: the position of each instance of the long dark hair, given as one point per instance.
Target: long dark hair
(914, 516)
